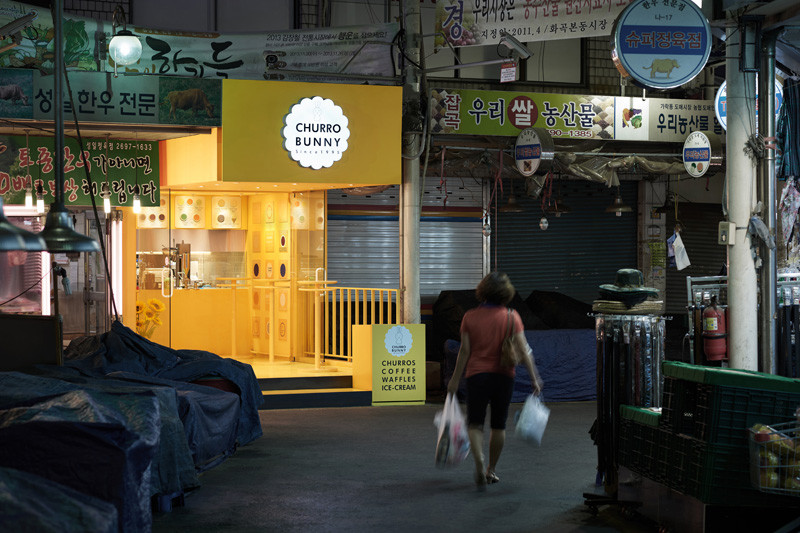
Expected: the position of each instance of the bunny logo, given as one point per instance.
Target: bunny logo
(398, 341)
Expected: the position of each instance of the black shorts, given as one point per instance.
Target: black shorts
(489, 389)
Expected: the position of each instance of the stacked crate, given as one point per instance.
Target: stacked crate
(698, 445)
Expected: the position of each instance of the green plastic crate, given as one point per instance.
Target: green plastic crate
(638, 446)
(641, 415)
(719, 414)
(719, 474)
(730, 377)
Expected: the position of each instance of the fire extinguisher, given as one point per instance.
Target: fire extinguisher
(715, 333)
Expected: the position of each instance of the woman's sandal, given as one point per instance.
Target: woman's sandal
(491, 477)
(480, 481)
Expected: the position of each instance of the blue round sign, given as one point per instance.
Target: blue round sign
(661, 44)
(721, 102)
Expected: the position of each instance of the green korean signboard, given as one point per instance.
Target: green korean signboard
(122, 163)
(476, 112)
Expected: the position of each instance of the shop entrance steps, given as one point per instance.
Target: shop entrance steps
(312, 392)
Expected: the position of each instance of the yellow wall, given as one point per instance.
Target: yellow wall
(128, 268)
(252, 144)
(192, 159)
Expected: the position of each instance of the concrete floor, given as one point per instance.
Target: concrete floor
(372, 469)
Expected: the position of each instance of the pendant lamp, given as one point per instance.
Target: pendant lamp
(14, 238)
(557, 208)
(618, 206)
(59, 231)
(512, 206)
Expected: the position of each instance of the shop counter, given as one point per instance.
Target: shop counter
(203, 319)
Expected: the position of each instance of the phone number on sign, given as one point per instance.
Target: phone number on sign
(571, 133)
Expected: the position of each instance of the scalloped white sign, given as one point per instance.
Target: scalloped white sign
(316, 132)
(398, 341)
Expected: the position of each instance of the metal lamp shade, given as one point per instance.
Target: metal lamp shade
(60, 235)
(557, 209)
(512, 206)
(618, 206)
(14, 238)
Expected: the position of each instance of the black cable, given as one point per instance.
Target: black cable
(91, 190)
(29, 288)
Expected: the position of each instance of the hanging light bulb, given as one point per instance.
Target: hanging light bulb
(105, 192)
(618, 206)
(39, 199)
(28, 191)
(137, 202)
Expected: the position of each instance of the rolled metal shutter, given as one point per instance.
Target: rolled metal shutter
(363, 239)
(579, 251)
(699, 236)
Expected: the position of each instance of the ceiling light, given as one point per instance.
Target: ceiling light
(618, 206)
(39, 199)
(59, 229)
(556, 208)
(60, 235)
(14, 238)
(512, 206)
(105, 193)
(124, 47)
(137, 202)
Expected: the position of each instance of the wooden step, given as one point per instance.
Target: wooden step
(315, 398)
(327, 381)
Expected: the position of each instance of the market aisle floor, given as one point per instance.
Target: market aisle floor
(372, 469)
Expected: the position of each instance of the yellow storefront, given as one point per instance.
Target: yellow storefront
(231, 257)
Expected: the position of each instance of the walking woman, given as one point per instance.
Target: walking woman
(488, 382)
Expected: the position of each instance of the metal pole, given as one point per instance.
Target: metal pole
(742, 289)
(766, 179)
(410, 201)
(58, 99)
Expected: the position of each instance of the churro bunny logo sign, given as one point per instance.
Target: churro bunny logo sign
(398, 341)
(316, 132)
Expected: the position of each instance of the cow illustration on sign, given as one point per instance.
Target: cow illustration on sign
(189, 99)
(662, 66)
(13, 93)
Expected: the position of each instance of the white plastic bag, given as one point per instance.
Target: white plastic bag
(452, 445)
(532, 420)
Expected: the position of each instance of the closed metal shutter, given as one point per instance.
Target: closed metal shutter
(363, 240)
(699, 236)
(578, 252)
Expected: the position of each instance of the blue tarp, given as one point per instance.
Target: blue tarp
(121, 422)
(173, 467)
(123, 350)
(566, 360)
(97, 443)
(33, 503)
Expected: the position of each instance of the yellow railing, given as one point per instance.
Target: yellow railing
(337, 309)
